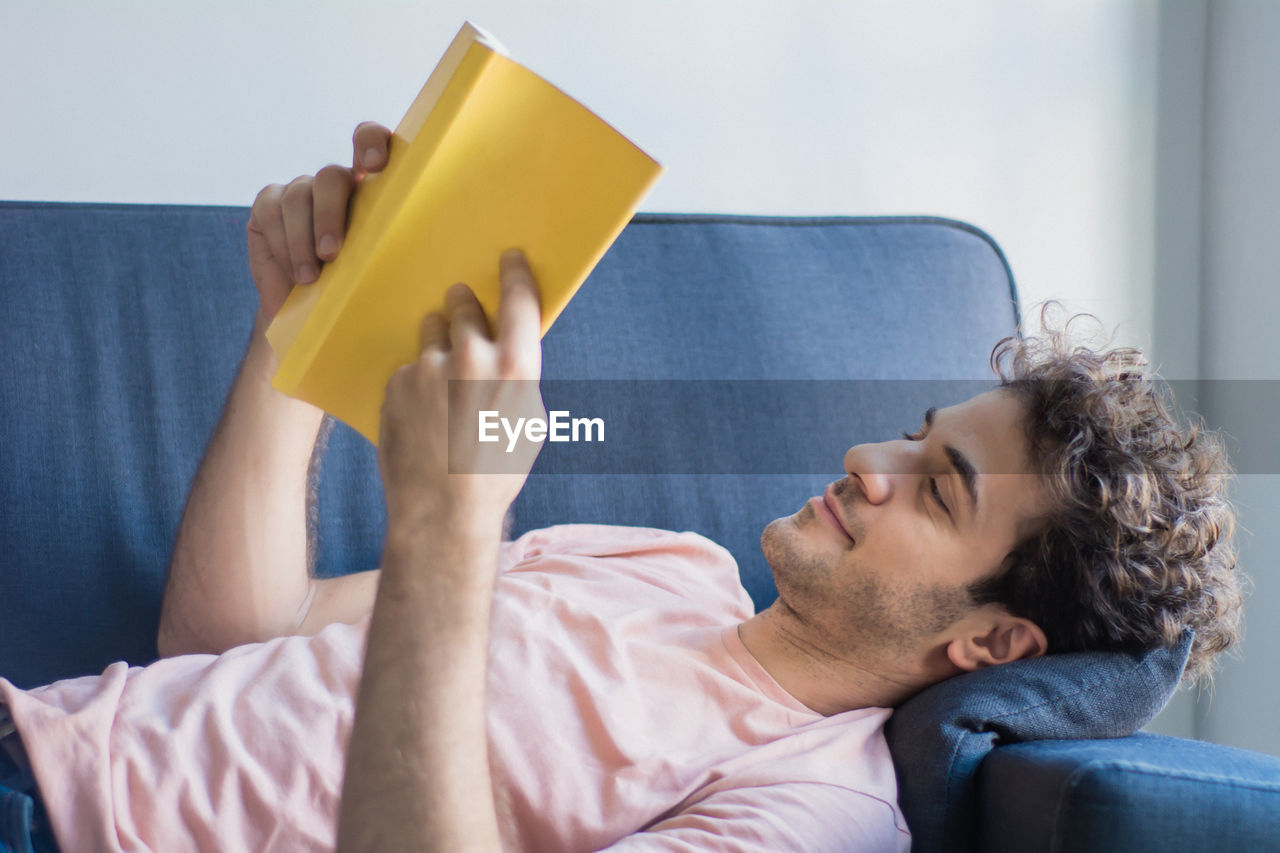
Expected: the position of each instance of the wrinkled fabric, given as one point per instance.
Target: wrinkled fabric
(621, 701)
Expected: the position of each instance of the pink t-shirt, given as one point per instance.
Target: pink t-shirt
(624, 712)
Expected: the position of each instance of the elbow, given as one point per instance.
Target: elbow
(167, 646)
(177, 636)
(171, 643)
(173, 635)
(205, 634)
(165, 649)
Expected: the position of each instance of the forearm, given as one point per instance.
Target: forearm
(239, 571)
(417, 775)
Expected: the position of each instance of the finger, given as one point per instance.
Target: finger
(270, 276)
(466, 316)
(299, 230)
(434, 332)
(267, 219)
(519, 314)
(371, 142)
(331, 192)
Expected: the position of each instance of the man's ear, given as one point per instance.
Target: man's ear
(994, 636)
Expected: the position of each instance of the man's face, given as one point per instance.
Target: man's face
(877, 568)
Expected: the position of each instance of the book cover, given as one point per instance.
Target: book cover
(489, 156)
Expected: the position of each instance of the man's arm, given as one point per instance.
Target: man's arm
(240, 571)
(417, 775)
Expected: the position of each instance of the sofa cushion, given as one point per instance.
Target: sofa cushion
(1142, 794)
(940, 736)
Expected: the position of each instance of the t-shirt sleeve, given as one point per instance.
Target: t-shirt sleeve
(808, 816)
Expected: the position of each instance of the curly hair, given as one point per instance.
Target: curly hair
(1138, 546)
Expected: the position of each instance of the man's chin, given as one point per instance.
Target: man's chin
(787, 549)
(773, 536)
(800, 571)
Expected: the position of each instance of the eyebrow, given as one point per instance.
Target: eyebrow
(959, 463)
(968, 474)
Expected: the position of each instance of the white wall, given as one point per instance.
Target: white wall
(1071, 130)
(1218, 271)
(1240, 304)
(1031, 120)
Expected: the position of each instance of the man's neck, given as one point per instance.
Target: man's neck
(824, 682)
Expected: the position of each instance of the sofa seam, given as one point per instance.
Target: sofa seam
(836, 219)
(1147, 770)
(118, 206)
(1077, 776)
(642, 218)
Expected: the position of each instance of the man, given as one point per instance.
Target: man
(585, 686)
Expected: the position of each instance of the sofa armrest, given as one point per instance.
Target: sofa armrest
(1141, 793)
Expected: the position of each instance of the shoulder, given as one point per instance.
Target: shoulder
(844, 756)
(782, 815)
(603, 540)
(609, 540)
(685, 563)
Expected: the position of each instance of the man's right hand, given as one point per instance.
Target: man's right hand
(295, 229)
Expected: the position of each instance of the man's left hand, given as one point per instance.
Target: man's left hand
(422, 421)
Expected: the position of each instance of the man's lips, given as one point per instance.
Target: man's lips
(827, 507)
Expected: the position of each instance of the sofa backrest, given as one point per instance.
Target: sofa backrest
(765, 346)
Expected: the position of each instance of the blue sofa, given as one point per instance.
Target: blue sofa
(733, 359)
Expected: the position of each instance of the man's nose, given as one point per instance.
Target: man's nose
(879, 468)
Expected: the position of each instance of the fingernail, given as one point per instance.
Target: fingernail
(513, 256)
(328, 245)
(370, 158)
(306, 274)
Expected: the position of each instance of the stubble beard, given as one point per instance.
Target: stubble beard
(870, 617)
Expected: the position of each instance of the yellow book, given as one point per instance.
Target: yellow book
(490, 156)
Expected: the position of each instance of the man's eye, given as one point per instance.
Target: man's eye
(913, 436)
(937, 495)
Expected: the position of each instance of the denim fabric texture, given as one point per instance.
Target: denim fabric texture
(24, 826)
(1120, 795)
(15, 818)
(941, 736)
